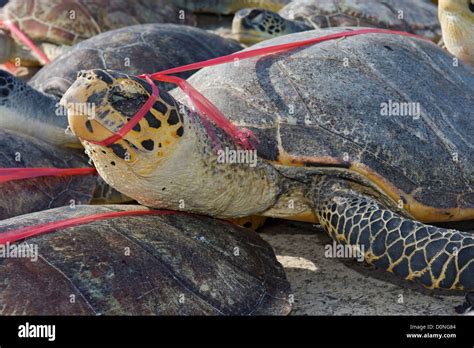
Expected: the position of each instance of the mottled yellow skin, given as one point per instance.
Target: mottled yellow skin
(457, 23)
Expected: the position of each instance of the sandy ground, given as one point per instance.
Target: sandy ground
(331, 286)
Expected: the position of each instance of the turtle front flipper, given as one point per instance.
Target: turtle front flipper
(438, 257)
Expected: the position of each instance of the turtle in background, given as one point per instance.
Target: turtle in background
(167, 264)
(225, 7)
(330, 148)
(216, 15)
(57, 25)
(33, 108)
(457, 23)
(252, 25)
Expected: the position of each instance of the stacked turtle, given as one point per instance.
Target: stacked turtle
(337, 156)
(253, 25)
(167, 264)
(454, 18)
(57, 25)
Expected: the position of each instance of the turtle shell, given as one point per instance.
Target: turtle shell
(176, 264)
(30, 195)
(133, 50)
(67, 22)
(414, 16)
(391, 108)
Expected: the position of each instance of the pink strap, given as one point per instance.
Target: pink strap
(36, 230)
(134, 120)
(207, 109)
(10, 174)
(279, 48)
(24, 39)
(9, 66)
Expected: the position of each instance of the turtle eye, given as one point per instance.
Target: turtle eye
(254, 13)
(471, 5)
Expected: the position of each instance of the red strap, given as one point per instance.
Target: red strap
(24, 39)
(134, 120)
(9, 66)
(279, 48)
(207, 109)
(36, 230)
(10, 174)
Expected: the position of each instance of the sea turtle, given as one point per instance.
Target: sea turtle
(370, 136)
(56, 25)
(35, 194)
(253, 25)
(228, 6)
(457, 23)
(169, 264)
(33, 109)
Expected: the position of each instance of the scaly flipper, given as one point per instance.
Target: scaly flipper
(438, 257)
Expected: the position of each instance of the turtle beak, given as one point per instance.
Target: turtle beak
(82, 99)
(85, 94)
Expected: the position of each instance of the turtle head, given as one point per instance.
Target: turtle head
(252, 25)
(167, 158)
(457, 24)
(6, 46)
(101, 102)
(465, 7)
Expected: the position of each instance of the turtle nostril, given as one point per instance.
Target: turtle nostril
(85, 75)
(254, 13)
